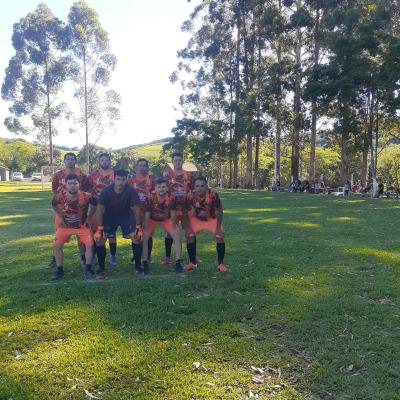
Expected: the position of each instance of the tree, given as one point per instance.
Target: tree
(90, 44)
(36, 73)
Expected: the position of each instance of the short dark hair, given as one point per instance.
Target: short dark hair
(104, 155)
(201, 178)
(121, 172)
(70, 154)
(159, 181)
(176, 154)
(142, 159)
(71, 177)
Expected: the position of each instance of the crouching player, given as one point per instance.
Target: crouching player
(161, 211)
(71, 208)
(118, 206)
(205, 214)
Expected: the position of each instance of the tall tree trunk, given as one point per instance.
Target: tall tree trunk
(86, 115)
(313, 137)
(49, 123)
(295, 157)
(372, 147)
(344, 157)
(256, 163)
(364, 164)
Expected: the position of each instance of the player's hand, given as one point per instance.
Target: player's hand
(139, 233)
(99, 235)
(219, 234)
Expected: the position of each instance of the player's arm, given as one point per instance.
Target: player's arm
(99, 214)
(146, 221)
(57, 211)
(219, 212)
(54, 183)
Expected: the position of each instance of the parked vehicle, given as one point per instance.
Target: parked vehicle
(17, 177)
(36, 176)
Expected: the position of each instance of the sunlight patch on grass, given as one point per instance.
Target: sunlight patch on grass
(256, 210)
(5, 223)
(7, 217)
(345, 219)
(271, 220)
(383, 255)
(302, 224)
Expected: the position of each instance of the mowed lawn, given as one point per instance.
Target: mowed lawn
(309, 310)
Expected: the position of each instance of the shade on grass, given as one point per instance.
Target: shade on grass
(311, 299)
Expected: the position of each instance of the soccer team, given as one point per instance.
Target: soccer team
(93, 207)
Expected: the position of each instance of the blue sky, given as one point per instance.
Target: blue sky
(145, 36)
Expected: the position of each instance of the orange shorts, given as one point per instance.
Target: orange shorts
(63, 235)
(166, 225)
(199, 225)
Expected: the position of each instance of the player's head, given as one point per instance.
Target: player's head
(161, 186)
(120, 179)
(72, 183)
(104, 161)
(69, 160)
(200, 185)
(177, 160)
(142, 166)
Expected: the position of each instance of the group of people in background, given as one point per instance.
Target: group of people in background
(93, 207)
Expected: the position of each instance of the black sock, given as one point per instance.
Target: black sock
(61, 268)
(101, 256)
(83, 258)
(88, 267)
(168, 246)
(150, 247)
(113, 248)
(137, 253)
(54, 259)
(220, 252)
(191, 249)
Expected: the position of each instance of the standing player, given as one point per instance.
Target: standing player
(98, 180)
(118, 205)
(205, 214)
(179, 184)
(161, 211)
(58, 185)
(71, 206)
(144, 185)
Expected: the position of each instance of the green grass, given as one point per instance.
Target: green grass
(149, 150)
(312, 299)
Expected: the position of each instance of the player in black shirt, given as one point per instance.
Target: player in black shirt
(118, 205)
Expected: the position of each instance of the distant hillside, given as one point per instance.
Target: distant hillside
(151, 150)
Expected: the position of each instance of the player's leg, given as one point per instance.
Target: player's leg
(127, 224)
(168, 241)
(86, 238)
(220, 246)
(52, 263)
(112, 242)
(62, 236)
(190, 247)
(176, 237)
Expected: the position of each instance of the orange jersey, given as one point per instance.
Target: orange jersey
(58, 182)
(179, 186)
(98, 181)
(160, 207)
(144, 186)
(204, 207)
(74, 211)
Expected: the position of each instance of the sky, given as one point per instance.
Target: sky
(145, 36)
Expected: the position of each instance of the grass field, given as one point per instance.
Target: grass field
(309, 310)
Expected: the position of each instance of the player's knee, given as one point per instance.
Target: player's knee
(219, 238)
(190, 237)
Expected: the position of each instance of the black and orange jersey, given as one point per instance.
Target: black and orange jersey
(204, 207)
(98, 180)
(58, 181)
(179, 185)
(74, 211)
(144, 186)
(160, 207)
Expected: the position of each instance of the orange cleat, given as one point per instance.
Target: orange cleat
(221, 268)
(190, 267)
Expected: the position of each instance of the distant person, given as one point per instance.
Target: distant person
(380, 188)
(346, 189)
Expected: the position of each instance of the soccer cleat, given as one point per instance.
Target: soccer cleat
(101, 274)
(113, 260)
(178, 266)
(57, 274)
(190, 267)
(166, 261)
(138, 270)
(146, 268)
(89, 274)
(221, 268)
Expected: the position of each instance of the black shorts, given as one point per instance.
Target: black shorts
(112, 222)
